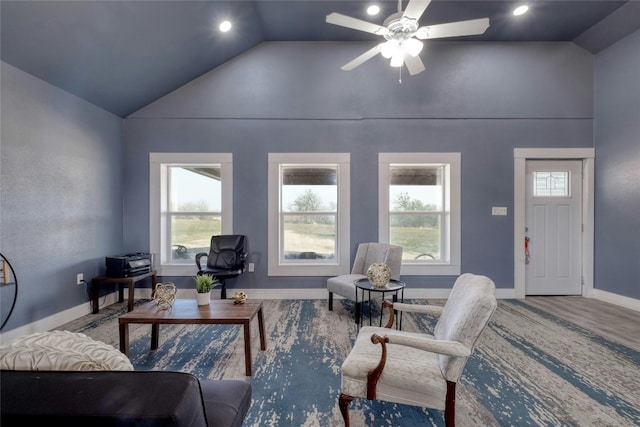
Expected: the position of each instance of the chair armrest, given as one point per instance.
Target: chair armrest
(374, 375)
(449, 348)
(434, 310)
(198, 256)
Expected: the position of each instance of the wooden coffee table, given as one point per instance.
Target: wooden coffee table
(187, 312)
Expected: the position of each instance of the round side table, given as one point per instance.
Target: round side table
(364, 285)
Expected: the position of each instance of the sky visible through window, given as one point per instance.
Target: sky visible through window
(192, 191)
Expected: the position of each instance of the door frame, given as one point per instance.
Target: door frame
(520, 157)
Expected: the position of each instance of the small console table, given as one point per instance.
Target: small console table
(121, 281)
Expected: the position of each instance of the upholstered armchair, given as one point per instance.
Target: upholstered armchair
(415, 368)
(367, 254)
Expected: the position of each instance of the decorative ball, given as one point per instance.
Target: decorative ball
(164, 295)
(239, 298)
(379, 275)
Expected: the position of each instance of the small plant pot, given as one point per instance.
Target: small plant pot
(203, 298)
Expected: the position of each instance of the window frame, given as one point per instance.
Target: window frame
(450, 264)
(159, 223)
(277, 266)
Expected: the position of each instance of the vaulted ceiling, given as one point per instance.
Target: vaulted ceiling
(122, 55)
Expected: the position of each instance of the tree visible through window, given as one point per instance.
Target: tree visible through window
(309, 214)
(309, 209)
(194, 210)
(416, 210)
(190, 201)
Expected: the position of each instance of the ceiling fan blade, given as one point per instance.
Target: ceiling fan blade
(414, 64)
(356, 24)
(362, 58)
(415, 9)
(453, 29)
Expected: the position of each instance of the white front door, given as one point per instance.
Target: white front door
(554, 227)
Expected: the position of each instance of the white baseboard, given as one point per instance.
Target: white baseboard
(620, 300)
(58, 319)
(409, 293)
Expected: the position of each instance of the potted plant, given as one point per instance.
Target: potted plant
(204, 283)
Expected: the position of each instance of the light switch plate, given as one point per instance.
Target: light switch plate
(499, 210)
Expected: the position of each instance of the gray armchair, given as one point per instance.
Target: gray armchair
(416, 368)
(367, 254)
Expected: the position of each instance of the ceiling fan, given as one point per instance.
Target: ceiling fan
(402, 34)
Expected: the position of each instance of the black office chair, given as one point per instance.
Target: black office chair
(227, 258)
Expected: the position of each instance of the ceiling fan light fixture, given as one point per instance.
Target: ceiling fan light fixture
(389, 48)
(412, 46)
(403, 34)
(397, 60)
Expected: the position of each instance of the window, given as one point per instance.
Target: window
(308, 214)
(190, 201)
(551, 184)
(420, 210)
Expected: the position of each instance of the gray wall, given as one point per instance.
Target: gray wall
(481, 99)
(62, 160)
(61, 193)
(617, 141)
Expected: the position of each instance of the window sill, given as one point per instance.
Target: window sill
(431, 270)
(177, 270)
(307, 270)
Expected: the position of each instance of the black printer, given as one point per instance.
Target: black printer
(128, 265)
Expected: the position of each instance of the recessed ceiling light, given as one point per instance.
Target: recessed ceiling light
(225, 26)
(520, 10)
(373, 9)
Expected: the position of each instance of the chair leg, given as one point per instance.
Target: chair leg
(343, 403)
(450, 405)
(223, 290)
(330, 301)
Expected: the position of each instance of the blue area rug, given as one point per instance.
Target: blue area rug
(529, 368)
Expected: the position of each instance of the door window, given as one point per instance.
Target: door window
(551, 184)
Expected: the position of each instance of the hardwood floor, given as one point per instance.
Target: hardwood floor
(620, 324)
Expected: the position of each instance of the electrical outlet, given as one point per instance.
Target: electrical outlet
(252, 267)
(79, 279)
